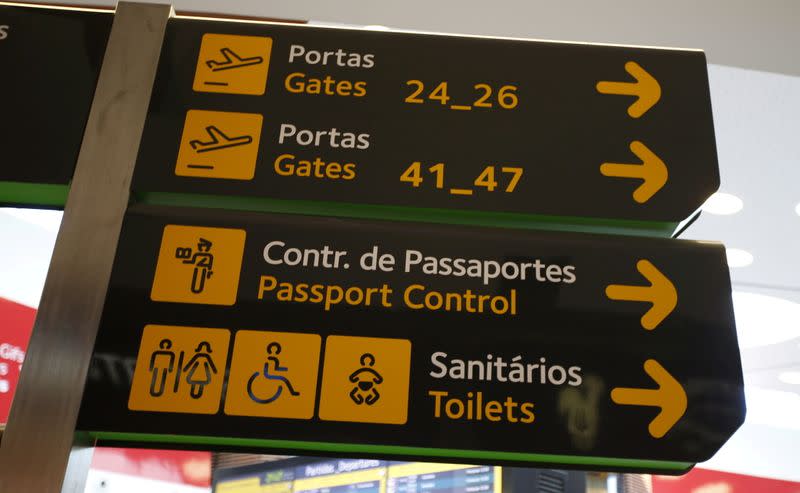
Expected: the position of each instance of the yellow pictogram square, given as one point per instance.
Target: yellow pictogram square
(365, 379)
(219, 144)
(198, 265)
(179, 370)
(233, 64)
(273, 374)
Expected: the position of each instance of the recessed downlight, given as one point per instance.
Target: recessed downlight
(738, 257)
(723, 204)
(763, 320)
(774, 408)
(790, 377)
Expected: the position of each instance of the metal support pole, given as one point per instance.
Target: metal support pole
(39, 441)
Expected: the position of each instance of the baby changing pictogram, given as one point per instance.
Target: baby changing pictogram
(366, 380)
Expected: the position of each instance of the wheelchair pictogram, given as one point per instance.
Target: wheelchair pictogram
(279, 384)
(273, 350)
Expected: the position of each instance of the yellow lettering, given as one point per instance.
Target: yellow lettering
(295, 87)
(266, 283)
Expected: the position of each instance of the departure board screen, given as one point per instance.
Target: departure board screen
(366, 476)
(442, 478)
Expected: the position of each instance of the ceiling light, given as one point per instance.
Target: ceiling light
(790, 377)
(775, 408)
(738, 258)
(797, 208)
(376, 27)
(45, 219)
(723, 204)
(762, 320)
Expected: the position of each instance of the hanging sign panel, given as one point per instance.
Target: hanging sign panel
(347, 116)
(331, 335)
(277, 111)
(51, 58)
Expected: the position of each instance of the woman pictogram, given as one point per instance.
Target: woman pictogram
(366, 379)
(200, 370)
(273, 349)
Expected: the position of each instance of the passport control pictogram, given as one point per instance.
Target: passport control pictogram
(198, 265)
(179, 369)
(233, 64)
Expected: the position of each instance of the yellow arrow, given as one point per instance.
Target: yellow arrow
(652, 171)
(669, 396)
(661, 293)
(646, 88)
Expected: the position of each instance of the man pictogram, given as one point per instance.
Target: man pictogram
(162, 363)
(179, 369)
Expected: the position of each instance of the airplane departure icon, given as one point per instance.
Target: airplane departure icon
(219, 144)
(233, 64)
(218, 141)
(232, 61)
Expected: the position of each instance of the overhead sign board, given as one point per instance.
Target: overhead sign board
(265, 113)
(52, 59)
(404, 339)
(272, 111)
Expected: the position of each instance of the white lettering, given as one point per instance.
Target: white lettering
(339, 57)
(332, 137)
(438, 364)
(11, 352)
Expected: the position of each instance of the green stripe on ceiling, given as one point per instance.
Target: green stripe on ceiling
(52, 195)
(33, 194)
(395, 213)
(391, 450)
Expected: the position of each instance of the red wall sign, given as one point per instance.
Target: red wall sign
(16, 322)
(705, 481)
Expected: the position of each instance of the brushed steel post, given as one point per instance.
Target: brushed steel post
(40, 435)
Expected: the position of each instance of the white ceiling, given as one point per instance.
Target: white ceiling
(755, 87)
